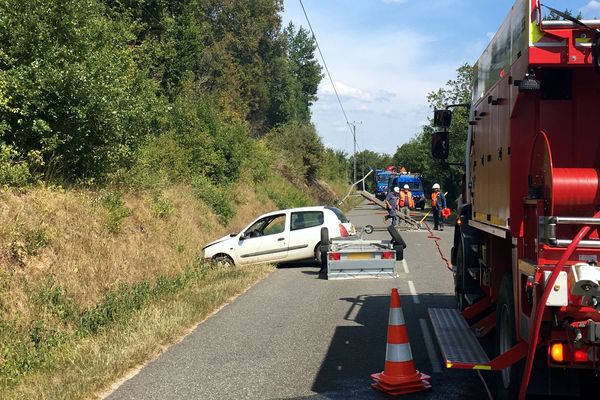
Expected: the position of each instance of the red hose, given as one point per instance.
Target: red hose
(541, 306)
(437, 239)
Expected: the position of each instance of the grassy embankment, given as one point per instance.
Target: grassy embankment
(94, 283)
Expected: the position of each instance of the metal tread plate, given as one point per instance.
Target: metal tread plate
(457, 342)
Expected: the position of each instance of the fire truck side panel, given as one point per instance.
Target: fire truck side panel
(522, 126)
(501, 156)
(493, 100)
(481, 138)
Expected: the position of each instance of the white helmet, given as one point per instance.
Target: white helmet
(406, 187)
(396, 189)
(436, 186)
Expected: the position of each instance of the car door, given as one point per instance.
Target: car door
(266, 240)
(305, 234)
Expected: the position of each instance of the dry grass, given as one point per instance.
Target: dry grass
(86, 367)
(58, 248)
(65, 235)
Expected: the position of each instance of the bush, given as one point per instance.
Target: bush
(284, 194)
(117, 211)
(13, 171)
(220, 199)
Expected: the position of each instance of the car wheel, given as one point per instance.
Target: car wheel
(223, 261)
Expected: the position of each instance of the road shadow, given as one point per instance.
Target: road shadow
(358, 350)
(299, 264)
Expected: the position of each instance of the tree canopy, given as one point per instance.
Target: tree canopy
(86, 86)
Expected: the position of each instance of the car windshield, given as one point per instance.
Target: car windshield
(338, 213)
(267, 226)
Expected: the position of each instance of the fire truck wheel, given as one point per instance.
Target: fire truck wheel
(507, 383)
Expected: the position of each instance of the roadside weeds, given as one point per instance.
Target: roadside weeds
(85, 367)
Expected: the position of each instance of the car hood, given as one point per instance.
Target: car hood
(224, 238)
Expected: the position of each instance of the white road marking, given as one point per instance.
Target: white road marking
(414, 293)
(405, 265)
(435, 362)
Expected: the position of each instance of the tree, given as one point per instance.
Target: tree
(301, 146)
(555, 17)
(367, 160)
(416, 154)
(75, 95)
(306, 69)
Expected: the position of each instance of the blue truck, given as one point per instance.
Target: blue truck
(414, 183)
(382, 177)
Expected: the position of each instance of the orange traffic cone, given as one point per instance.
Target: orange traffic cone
(399, 375)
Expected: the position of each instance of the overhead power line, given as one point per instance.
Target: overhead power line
(327, 70)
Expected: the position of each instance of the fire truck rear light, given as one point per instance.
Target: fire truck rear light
(581, 355)
(387, 255)
(335, 256)
(557, 352)
(343, 231)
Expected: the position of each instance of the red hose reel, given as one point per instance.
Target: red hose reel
(567, 191)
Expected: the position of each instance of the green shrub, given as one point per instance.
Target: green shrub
(220, 199)
(117, 211)
(13, 172)
(162, 207)
(283, 193)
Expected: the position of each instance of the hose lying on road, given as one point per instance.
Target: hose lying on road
(437, 244)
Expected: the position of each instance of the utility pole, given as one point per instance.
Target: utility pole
(354, 154)
(353, 126)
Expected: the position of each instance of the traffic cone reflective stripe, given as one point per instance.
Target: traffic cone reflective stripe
(396, 317)
(399, 375)
(398, 353)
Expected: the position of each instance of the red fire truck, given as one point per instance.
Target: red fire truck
(527, 242)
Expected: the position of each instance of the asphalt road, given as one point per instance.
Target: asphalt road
(295, 336)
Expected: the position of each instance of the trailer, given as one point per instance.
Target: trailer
(356, 257)
(527, 239)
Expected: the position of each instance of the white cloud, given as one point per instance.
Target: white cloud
(592, 9)
(383, 84)
(344, 90)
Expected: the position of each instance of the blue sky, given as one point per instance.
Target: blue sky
(386, 55)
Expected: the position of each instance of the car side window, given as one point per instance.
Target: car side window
(275, 225)
(306, 219)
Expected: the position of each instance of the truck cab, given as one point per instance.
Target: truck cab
(381, 183)
(414, 183)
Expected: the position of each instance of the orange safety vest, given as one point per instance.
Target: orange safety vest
(434, 197)
(403, 195)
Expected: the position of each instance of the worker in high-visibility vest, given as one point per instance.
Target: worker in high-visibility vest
(438, 203)
(405, 200)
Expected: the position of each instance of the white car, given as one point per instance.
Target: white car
(281, 236)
